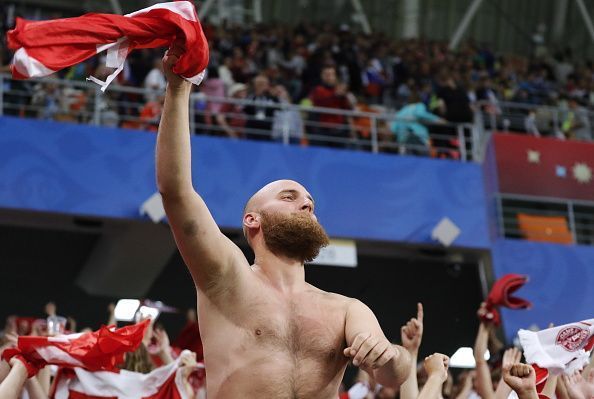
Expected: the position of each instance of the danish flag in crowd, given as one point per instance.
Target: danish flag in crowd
(563, 349)
(166, 382)
(44, 47)
(103, 349)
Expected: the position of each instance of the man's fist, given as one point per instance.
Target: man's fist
(521, 378)
(437, 365)
(169, 60)
(370, 351)
(411, 333)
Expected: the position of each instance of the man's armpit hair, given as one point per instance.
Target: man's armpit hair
(190, 227)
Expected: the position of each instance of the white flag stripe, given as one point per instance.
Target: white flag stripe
(29, 66)
(183, 8)
(52, 354)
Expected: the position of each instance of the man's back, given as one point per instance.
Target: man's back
(260, 342)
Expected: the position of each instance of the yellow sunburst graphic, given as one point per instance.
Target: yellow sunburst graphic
(582, 173)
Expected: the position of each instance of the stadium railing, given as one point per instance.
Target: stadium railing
(137, 108)
(551, 220)
(520, 117)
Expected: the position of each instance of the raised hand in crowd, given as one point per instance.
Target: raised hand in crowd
(580, 386)
(436, 367)
(411, 335)
(510, 357)
(162, 346)
(467, 384)
(522, 379)
(15, 376)
(111, 320)
(484, 384)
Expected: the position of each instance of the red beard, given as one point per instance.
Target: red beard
(296, 235)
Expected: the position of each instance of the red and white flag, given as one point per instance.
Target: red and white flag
(166, 382)
(103, 349)
(562, 349)
(44, 47)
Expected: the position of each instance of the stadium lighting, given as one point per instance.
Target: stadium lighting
(125, 309)
(464, 358)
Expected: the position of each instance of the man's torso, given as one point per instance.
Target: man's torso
(261, 343)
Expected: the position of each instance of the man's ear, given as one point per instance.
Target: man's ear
(251, 220)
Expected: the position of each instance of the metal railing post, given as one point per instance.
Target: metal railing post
(500, 222)
(374, 138)
(461, 142)
(96, 110)
(571, 217)
(285, 126)
(1, 95)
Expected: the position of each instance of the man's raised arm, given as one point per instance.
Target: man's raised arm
(209, 255)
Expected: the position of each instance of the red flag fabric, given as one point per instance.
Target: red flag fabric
(544, 167)
(166, 382)
(501, 295)
(44, 47)
(103, 349)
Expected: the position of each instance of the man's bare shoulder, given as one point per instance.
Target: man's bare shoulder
(331, 296)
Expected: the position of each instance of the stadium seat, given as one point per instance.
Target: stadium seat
(545, 228)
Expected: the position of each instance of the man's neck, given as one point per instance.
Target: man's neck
(284, 274)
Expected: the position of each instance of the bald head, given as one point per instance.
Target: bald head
(270, 191)
(279, 190)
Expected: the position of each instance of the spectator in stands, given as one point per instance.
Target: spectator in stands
(260, 113)
(288, 123)
(231, 119)
(409, 127)
(225, 74)
(334, 129)
(576, 125)
(155, 80)
(150, 114)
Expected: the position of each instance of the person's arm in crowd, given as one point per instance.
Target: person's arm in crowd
(111, 320)
(164, 346)
(436, 366)
(579, 386)
(44, 379)
(550, 386)
(511, 356)
(222, 122)
(208, 253)
(12, 385)
(367, 345)
(483, 373)
(466, 386)
(35, 389)
(522, 379)
(188, 364)
(412, 335)
(4, 370)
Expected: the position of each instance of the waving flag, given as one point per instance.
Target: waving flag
(166, 382)
(44, 47)
(103, 349)
(566, 348)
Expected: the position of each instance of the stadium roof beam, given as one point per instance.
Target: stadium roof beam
(361, 16)
(560, 17)
(116, 6)
(205, 8)
(466, 20)
(586, 16)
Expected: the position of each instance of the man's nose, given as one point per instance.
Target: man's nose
(307, 206)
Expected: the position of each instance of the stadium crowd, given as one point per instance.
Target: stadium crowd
(431, 378)
(333, 67)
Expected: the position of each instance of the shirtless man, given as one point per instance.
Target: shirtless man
(266, 332)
